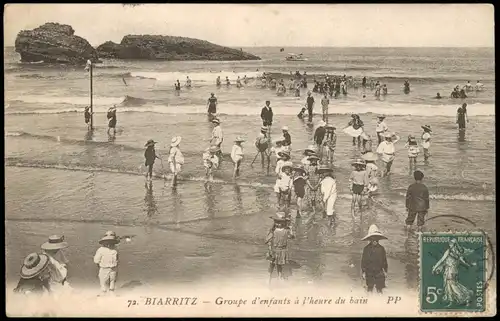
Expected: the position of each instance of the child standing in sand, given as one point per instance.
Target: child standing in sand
(106, 258)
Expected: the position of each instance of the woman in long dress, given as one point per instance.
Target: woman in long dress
(448, 265)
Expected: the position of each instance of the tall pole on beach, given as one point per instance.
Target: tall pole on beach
(89, 67)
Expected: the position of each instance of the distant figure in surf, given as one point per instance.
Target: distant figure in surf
(438, 96)
(212, 104)
(301, 113)
(384, 90)
(310, 105)
(406, 87)
(426, 141)
(266, 115)
(245, 79)
(468, 86)
(462, 117)
(237, 155)
(188, 82)
(238, 83)
(228, 83)
(210, 162)
(88, 115)
(413, 151)
(218, 82)
(112, 119)
(175, 159)
(479, 86)
(150, 156)
(363, 82)
(177, 85)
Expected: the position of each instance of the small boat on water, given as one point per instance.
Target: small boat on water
(294, 57)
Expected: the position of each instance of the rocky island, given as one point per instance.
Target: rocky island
(54, 43)
(155, 47)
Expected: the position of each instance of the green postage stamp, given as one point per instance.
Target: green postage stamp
(452, 272)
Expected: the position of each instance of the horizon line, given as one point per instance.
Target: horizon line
(368, 47)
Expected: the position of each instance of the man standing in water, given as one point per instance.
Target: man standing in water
(462, 117)
(324, 103)
(267, 115)
(212, 104)
(319, 135)
(217, 138)
(310, 105)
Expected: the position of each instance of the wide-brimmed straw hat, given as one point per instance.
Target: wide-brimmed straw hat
(216, 121)
(324, 169)
(314, 156)
(321, 123)
(373, 232)
(176, 141)
(279, 217)
(109, 237)
(285, 128)
(311, 149)
(283, 155)
(287, 165)
(370, 156)
(150, 142)
(381, 117)
(388, 135)
(33, 265)
(427, 128)
(239, 139)
(55, 242)
(358, 161)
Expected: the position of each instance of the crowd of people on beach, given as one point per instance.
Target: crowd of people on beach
(310, 181)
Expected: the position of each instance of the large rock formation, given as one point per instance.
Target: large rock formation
(152, 47)
(54, 43)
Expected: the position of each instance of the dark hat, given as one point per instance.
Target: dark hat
(150, 142)
(324, 169)
(427, 128)
(33, 265)
(284, 155)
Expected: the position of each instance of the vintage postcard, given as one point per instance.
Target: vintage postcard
(250, 160)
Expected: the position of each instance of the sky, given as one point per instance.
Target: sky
(284, 25)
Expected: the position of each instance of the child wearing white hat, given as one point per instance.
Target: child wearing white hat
(106, 258)
(175, 159)
(237, 155)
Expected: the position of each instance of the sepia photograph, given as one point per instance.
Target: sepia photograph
(249, 160)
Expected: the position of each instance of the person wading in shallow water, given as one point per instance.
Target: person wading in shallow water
(212, 105)
(310, 105)
(175, 159)
(417, 201)
(112, 119)
(387, 152)
(277, 241)
(266, 115)
(462, 117)
(150, 156)
(88, 115)
(217, 138)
